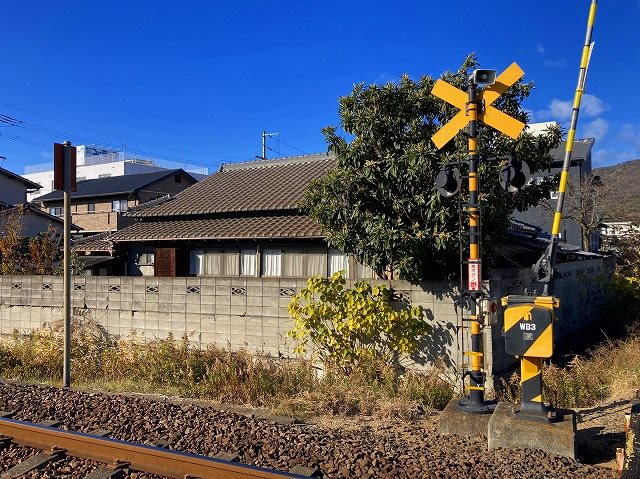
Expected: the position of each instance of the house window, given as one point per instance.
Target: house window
(91, 207)
(56, 210)
(271, 262)
(364, 272)
(337, 261)
(248, 260)
(145, 259)
(119, 205)
(215, 262)
(553, 195)
(295, 263)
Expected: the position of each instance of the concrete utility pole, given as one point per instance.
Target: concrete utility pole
(66, 375)
(266, 135)
(64, 178)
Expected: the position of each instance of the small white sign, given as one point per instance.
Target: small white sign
(474, 276)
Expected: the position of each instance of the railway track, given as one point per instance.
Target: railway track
(116, 456)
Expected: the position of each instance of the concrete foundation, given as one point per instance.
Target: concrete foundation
(506, 430)
(455, 421)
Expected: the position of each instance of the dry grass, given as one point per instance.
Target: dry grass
(608, 373)
(174, 367)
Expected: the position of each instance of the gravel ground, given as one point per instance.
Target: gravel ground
(340, 449)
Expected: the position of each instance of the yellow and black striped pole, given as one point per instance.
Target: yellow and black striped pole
(475, 402)
(564, 176)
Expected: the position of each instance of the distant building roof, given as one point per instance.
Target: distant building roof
(113, 185)
(580, 151)
(97, 242)
(264, 185)
(28, 183)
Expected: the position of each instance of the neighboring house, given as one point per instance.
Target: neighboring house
(98, 162)
(611, 231)
(96, 254)
(245, 221)
(98, 204)
(540, 216)
(241, 221)
(14, 188)
(13, 200)
(34, 220)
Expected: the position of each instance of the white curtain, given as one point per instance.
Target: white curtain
(195, 266)
(338, 261)
(229, 263)
(292, 263)
(271, 262)
(364, 272)
(315, 262)
(211, 263)
(247, 262)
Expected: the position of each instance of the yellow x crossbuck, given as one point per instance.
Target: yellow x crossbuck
(490, 116)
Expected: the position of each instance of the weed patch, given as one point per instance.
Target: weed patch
(176, 367)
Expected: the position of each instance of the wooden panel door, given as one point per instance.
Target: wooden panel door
(165, 262)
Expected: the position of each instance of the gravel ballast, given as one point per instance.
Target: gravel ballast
(370, 449)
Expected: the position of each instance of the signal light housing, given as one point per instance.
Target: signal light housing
(448, 181)
(514, 173)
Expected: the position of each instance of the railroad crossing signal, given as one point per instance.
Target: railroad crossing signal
(490, 116)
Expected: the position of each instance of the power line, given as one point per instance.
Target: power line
(41, 130)
(121, 137)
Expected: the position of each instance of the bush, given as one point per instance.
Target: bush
(347, 326)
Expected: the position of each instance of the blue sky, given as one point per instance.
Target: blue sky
(198, 81)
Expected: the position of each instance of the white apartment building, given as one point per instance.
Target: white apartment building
(98, 162)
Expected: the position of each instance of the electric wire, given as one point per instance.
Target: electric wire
(122, 137)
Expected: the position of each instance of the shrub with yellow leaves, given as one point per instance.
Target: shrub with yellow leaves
(346, 326)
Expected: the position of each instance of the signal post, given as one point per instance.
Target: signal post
(470, 414)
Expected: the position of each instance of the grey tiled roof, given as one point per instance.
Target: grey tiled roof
(265, 185)
(98, 242)
(579, 152)
(113, 185)
(255, 227)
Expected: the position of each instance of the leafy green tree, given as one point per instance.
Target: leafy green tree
(380, 203)
(346, 326)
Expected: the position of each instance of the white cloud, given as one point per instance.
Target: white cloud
(625, 147)
(607, 157)
(630, 134)
(540, 49)
(560, 110)
(557, 110)
(560, 62)
(592, 105)
(596, 129)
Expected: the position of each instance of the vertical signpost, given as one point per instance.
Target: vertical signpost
(64, 178)
(475, 106)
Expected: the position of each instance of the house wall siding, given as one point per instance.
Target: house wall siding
(12, 191)
(251, 313)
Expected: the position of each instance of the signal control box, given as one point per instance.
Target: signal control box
(528, 325)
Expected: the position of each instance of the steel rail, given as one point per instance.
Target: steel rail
(140, 457)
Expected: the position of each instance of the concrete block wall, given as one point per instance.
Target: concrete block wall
(234, 312)
(251, 313)
(582, 289)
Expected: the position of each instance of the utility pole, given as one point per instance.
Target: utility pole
(266, 135)
(64, 161)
